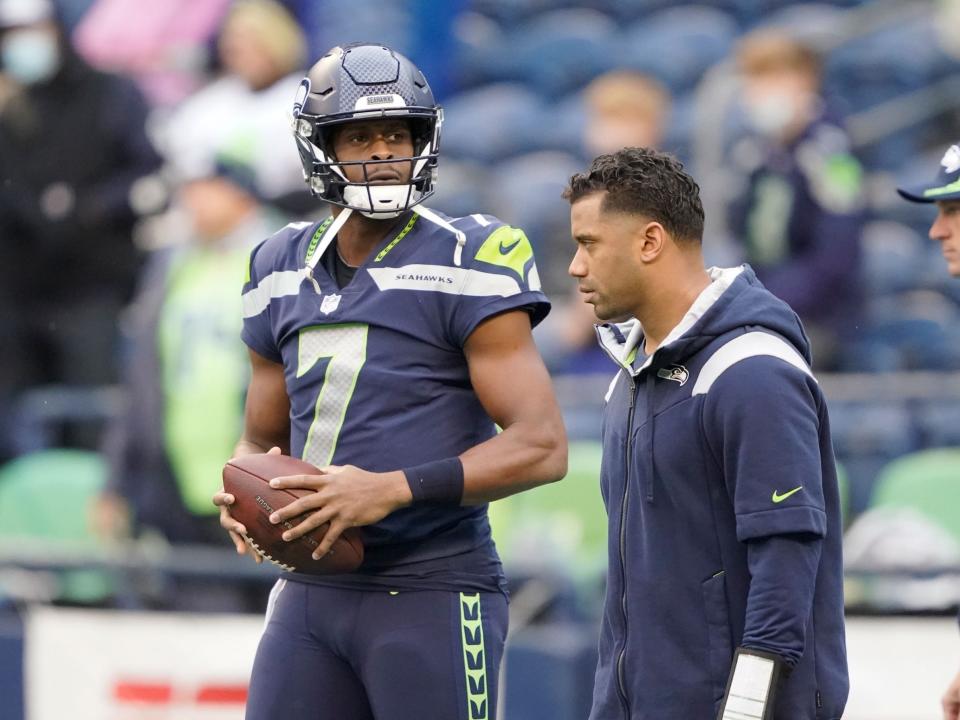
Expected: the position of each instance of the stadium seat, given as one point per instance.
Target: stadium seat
(813, 22)
(679, 44)
(549, 672)
(861, 472)
(510, 12)
(565, 128)
(938, 422)
(560, 527)
(479, 51)
(527, 192)
(892, 257)
(462, 188)
(927, 482)
(884, 64)
(864, 429)
(45, 497)
(919, 330)
(488, 123)
(562, 50)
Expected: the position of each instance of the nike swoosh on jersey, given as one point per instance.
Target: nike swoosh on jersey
(776, 497)
(507, 248)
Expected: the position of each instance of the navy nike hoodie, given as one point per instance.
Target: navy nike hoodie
(720, 485)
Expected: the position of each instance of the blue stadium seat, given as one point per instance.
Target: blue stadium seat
(565, 128)
(679, 44)
(938, 422)
(488, 123)
(462, 188)
(893, 257)
(868, 429)
(478, 51)
(630, 11)
(884, 64)
(866, 436)
(679, 135)
(510, 12)
(527, 193)
(562, 50)
(550, 672)
(365, 21)
(815, 22)
(861, 475)
(921, 329)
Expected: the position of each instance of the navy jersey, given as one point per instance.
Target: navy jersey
(377, 377)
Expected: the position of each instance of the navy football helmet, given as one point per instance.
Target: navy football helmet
(363, 82)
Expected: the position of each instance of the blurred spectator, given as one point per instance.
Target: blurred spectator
(162, 45)
(77, 172)
(187, 369)
(625, 108)
(262, 50)
(801, 217)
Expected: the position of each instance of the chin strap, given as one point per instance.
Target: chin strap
(752, 686)
(324, 243)
(428, 214)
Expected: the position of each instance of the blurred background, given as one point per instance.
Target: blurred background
(145, 148)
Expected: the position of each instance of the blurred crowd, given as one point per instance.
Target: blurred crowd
(145, 148)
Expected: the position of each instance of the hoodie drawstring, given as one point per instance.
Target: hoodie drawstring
(648, 476)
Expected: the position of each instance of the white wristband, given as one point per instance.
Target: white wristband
(751, 687)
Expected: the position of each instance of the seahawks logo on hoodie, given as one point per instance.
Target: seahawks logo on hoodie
(677, 373)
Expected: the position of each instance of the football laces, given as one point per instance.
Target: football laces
(260, 551)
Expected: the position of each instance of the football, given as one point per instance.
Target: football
(247, 478)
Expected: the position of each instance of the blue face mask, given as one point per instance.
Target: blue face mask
(30, 55)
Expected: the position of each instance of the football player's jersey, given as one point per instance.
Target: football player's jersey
(377, 377)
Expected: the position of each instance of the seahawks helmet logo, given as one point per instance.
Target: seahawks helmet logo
(677, 373)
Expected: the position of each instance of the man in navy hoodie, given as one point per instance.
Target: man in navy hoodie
(724, 590)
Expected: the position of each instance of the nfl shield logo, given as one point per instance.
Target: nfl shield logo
(329, 304)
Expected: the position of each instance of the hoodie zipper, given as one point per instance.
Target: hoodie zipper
(621, 659)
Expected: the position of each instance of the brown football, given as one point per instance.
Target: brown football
(247, 478)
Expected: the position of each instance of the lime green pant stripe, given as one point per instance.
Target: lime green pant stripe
(474, 660)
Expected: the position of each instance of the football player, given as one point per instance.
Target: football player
(385, 343)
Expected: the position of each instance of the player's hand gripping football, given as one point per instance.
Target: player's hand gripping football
(236, 530)
(345, 496)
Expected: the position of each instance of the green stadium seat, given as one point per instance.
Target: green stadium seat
(45, 497)
(927, 482)
(561, 526)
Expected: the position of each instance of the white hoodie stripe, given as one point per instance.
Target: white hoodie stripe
(750, 345)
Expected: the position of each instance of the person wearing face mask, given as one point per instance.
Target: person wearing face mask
(78, 172)
(800, 216)
(261, 50)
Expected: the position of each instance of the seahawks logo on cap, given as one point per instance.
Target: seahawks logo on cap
(951, 159)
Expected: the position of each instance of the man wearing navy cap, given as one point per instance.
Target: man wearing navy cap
(945, 192)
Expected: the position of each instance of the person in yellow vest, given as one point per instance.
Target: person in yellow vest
(186, 373)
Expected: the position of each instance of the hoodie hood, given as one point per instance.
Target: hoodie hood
(735, 299)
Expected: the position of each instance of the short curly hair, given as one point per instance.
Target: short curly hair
(642, 181)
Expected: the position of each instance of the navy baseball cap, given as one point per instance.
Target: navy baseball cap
(947, 184)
